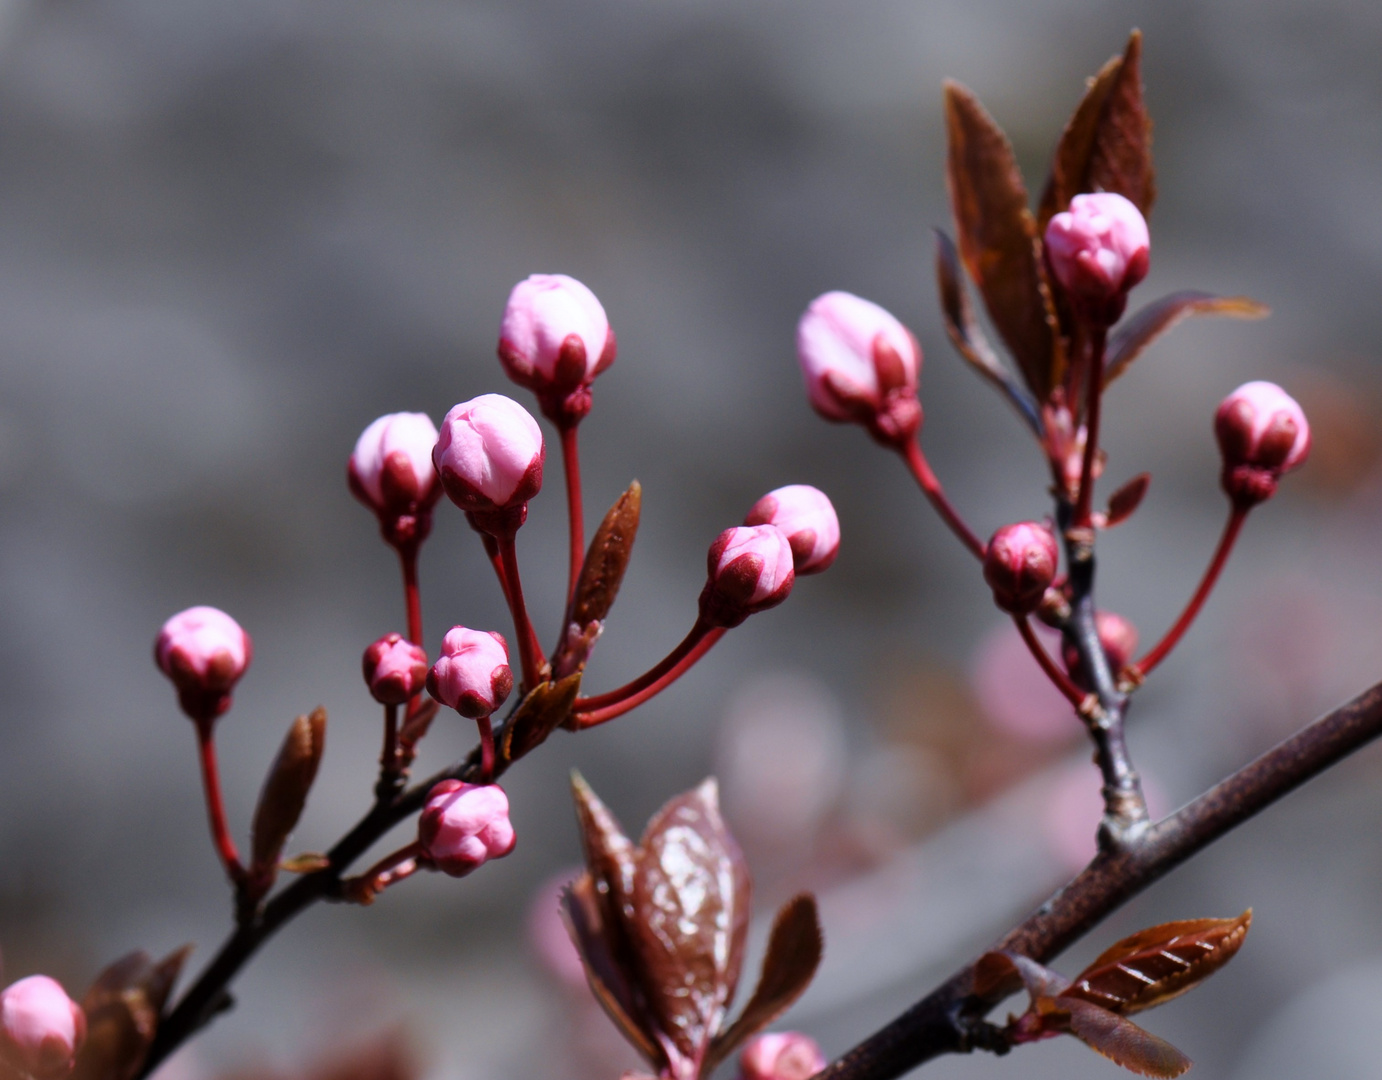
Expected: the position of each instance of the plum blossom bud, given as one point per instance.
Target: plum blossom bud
(555, 338)
(489, 455)
(1118, 637)
(391, 469)
(860, 365)
(463, 826)
(1019, 564)
(1262, 433)
(785, 1055)
(806, 515)
(395, 669)
(472, 673)
(750, 571)
(204, 652)
(41, 1028)
(1099, 249)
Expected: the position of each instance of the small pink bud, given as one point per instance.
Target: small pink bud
(41, 1028)
(807, 517)
(391, 468)
(860, 365)
(1019, 564)
(1118, 637)
(1262, 433)
(472, 673)
(204, 652)
(463, 826)
(489, 455)
(555, 338)
(750, 571)
(786, 1055)
(395, 669)
(1099, 249)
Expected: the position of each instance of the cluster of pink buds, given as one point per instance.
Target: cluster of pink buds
(1099, 249)
(1262, 434)
(41, 1028)
(781, 1055)
(204, 652)
(463, 826)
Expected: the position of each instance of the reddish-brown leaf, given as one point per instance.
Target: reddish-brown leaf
(998, 239)
(1122, 1041)
(794, 952)
(610, 856)
(1001, 974)
(1159, 963)
(1127, 342)
(541, 713)
(607, 558)
(285, 790)
(1126, 499)
(123, 1009)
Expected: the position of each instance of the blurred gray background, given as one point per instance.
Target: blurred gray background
(231, 234)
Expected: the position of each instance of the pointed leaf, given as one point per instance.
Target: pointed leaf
(1122, 1041)
(540, 714)
(306, 862)
(794, 952)
(1001, 974)
(1159, 963)
(123, 1009)
(607, 558)
(285, 790)
(1136, 333)
(1126, 499)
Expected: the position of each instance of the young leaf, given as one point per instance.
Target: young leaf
(1127, 342)
(1159, 963)
(540, 714)
(1001, 974)
(285, 789)
(607, 559)
(123, 1009)
(1122, 1041)
(1126, 499)
(794, 952)
(998, 239)
(610, 856)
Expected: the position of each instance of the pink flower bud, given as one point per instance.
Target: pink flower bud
(1019, 565)
(555, 338)
(1099, 249)
(472, 673)
(1119, 640)
(463, 826)
(204, 652)
(489, 455)
(391, 468)
(41, 1028)
(395, 669)
(750, 571)
(807, 517)
(786, 1055)
(860, 365)
(1262, 433)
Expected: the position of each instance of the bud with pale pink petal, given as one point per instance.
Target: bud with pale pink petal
(1117, 636)
(807, 517)
(489, 455)
(785, 1055)
(391, 472)
(395, 669)
(41, 1028)
(472, 674)
(751, 570)
(555, 338)
(463, 826)
(1262, 433)
(1020, 563)
(204, 652)
(1098, 250)
(860, 365)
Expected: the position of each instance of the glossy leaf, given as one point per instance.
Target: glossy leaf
(1123, 502)
(607, 559)
(285, 789)
(123, 1009)
(1127, 342)
(794, 952)
(1122, 1041)
(997, 238)
(541, 713)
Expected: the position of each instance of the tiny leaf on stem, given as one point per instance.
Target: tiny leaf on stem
(1126, 499)
(1122, 1041)
(607, 558)
(123, 1009)
(1127, 342)
(540, 714)
(285, 791)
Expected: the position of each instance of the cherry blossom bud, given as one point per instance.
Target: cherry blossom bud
(472, 674)
(1262, 433)
(1118, 637)
(489, 455)
(1019, 564)
(204, 652)
(1098, 250)
(395, 669)
(41, 1028)
(786, 1055)
(463, 826)
(860, 365)
(750, 571)
(555, 338)
(805, 514)
(391, 468)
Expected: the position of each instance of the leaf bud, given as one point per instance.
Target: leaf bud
(489, 455)
(391, 472)
(1117, 636)
(785, 1055)
(809, 521)
(1019, 564)
(463, 826)
(1098, 250)
(204, 652)
(395, 669)
(472, 674)
(750, 570)
(1262, 433)
(41, 1028)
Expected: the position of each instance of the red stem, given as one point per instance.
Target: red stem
(596, 710)
(388, 759)
(921, 470)
(1053, 672)
(486, 749)
(570, 457)
(412, 598)
(215, 806)
(1094, 394)
(529, 650)
(1237, 515)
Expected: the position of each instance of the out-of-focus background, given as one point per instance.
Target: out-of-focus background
(231, 234)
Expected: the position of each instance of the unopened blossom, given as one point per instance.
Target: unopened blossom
(472, 674)
(554, 339)
(395, 669)
(750, 570)
(860, 365)
(41, 1028)
(1099, 249)
(391, 469)
(489, 455)
(785, 1055)
(806, 515)
(1117, 637)
(1020, 563)
(204, 652)
(1262, 433)
(463, 826)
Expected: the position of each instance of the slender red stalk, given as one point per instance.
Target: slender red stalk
(1237, 515)
(529, 650)
(388, 758)
(571, 460)
(486, 749)
(215, 805)
(1053, 671)
(391, 869)
(921, 470)
(596, 710)
(1094, 395)
(412, 598)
